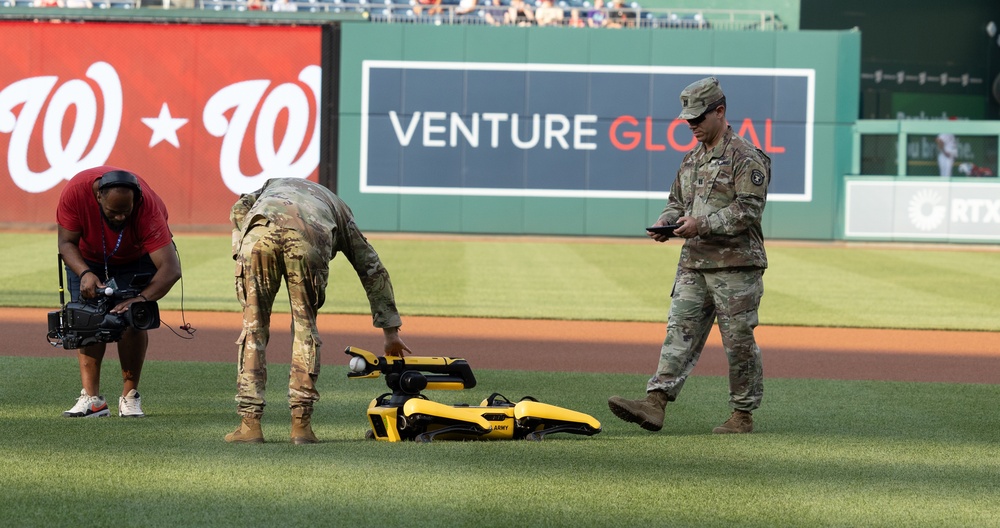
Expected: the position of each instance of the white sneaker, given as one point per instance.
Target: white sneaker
(88, 407)
(130, 405)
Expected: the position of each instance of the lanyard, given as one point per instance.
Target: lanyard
(104, 248)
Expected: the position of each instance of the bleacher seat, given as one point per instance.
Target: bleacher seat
(693, 21)
(332, 6)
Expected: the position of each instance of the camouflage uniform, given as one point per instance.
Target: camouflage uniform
(291, 229)
(720, 272)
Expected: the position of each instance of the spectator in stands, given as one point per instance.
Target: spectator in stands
(575, 20)
(598, 16)
(49, 3)
(284, 5)
(80, 4)
(466, 9)
(519, 14)
(433, 7)
(494, 12)
(619, 15)
(255, 5)
(548, 14)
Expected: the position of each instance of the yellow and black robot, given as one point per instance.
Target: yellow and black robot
(406, 414)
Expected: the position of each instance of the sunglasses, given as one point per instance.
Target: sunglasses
(698, 120)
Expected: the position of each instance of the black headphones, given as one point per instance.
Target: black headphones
(120, 178)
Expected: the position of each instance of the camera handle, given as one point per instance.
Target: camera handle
(62, 290)
(59, 272)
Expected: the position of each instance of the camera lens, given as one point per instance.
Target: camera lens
(140, 318)
(144, 315)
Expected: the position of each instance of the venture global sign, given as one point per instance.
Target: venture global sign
(491, 129)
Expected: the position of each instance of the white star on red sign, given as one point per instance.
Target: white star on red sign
(164, 127)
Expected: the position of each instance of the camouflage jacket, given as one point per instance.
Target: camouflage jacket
(327, 223)
(725, 188)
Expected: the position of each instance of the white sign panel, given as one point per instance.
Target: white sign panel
(922, 210)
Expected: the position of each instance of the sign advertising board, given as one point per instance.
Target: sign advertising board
(201, 112)
(922, 210)
(558, 130)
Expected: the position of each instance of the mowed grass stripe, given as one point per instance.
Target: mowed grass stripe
(825, 453)
(620, 280)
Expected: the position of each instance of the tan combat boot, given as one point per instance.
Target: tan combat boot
(648, 412)
(248, 432)
(739, 422)
(302, 432)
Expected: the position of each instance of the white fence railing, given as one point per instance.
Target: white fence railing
(72, 4)
(579, 13)
(575, 12)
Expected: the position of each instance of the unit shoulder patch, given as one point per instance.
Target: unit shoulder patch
(757, 177)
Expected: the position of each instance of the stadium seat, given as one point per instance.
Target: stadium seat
(332, 6)
(693, 21)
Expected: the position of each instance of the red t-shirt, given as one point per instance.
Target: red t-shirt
(145, 230)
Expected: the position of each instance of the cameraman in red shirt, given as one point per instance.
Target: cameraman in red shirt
(112, 225)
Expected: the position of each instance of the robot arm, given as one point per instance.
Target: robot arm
(409, 373)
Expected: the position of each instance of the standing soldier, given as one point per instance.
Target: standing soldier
(717, 201)
(290, 229)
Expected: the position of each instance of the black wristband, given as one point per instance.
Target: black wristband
(86, 271)
(143, 297)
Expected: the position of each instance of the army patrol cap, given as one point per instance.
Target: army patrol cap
(699, 96)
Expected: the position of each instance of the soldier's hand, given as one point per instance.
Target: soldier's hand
(394, 345)
(687, 227)
(659, 237)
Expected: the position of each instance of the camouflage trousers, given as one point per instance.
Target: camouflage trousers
(268, 255)
(699, 297)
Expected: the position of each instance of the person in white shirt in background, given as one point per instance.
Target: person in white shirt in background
(284, 5)
(947, 152)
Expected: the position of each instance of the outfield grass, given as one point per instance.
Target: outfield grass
(626, 280)
(827, 453)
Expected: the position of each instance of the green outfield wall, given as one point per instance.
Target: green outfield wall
(424, 114)
(425, 128)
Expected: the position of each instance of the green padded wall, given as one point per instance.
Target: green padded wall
(833, 55)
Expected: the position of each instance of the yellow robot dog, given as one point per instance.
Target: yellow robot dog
(406, 414)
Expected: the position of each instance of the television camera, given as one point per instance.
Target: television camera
(406, 414)
(89, 321)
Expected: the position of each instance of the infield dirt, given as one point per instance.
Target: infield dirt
(579, 346)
